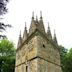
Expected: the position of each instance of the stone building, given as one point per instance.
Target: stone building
(37, 51)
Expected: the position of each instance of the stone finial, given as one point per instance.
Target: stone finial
(36, 18)
(41, 24)
(20, 40)
(25, 26)
(20, 34)
(48, 26)
(49, 32)
(40, 14)
(33, 15)
(25, 33)
(54, 33)
(54, 38)
(32, 25)
(37, 24)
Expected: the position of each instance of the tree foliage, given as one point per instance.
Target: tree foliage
(3, 10)
(66, 59)
(3, 27)
(63, 52)
(7, 56)
(68, 62)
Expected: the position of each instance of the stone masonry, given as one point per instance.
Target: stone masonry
(37, 51)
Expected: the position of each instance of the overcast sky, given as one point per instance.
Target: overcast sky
(57, 12)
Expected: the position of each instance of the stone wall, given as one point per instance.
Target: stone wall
(47, 51)
(38, 55)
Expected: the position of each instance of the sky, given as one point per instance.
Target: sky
(57, 12)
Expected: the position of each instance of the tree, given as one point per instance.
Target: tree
(66, 59)
(7, 56)
(68, 62)
(63, 53)
(3, 10)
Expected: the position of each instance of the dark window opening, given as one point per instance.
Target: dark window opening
(26, 68)
(43, 45)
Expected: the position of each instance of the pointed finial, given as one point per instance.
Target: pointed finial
(36, 18)
(55, 39)
(33, 15)
(54, 32)
(40, 14)
(20, 34)
(20, 40)
(25, 33)
(48, 26)
(49, 32)
(25, 26)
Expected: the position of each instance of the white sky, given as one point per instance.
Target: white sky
(57, 12)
